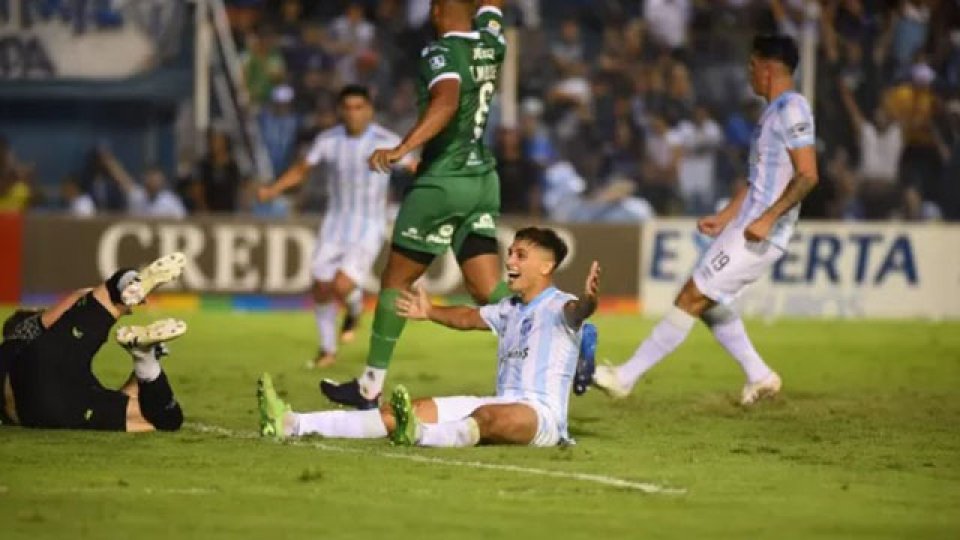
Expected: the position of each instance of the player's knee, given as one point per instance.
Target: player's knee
(691, 300)
(486, 420)
(166, 418)
(322, 292)
(718, 314)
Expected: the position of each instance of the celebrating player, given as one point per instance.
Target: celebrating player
(46, 356)
(351, 234)
(539, 331)
(751, 233)
(455, 199)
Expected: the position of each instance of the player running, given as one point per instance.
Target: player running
(539, 331)
(751, 233)
(351, 234)
(455, 200)
(46, 357)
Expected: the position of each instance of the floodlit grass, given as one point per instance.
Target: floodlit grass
(864, 443)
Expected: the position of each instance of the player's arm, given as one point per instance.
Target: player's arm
(579, 310)
(444, 101)
(804, 179)
(856, 115)
(294, 176)
(713, 225)
(417, 306)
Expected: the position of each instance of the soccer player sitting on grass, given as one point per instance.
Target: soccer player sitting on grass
(46, 357)
(539, 330)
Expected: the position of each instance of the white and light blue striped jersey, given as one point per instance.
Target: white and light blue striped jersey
(537, 353)
(356, 196)
(786, 123)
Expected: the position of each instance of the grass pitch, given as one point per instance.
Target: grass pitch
(863, 443)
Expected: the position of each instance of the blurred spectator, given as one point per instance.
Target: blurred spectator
(76, 202)
(15, 192)
(564, 198)
(537, 144)
(567, 48)
(880, 143)
(906, 34)
(352, 40)
(278, 126)
(152, 199)
(914, 105)
(519, 176)
(700, 141)
(951, 151)
(662, 161)
(219, 175)
(263, 66)
(667, 21)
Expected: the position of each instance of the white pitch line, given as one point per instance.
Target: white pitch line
(611, 481)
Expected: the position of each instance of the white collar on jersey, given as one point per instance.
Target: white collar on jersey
(544, 294)
(466, 35)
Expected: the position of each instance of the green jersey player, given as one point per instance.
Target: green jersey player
(455, 200)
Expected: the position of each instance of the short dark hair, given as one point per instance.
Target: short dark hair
(15, 319)
(779, 47)
(547, 239)
(352, 90)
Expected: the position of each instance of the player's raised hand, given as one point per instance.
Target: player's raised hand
(414, 304)
(383, 159)
(592, 287)
(710, 225)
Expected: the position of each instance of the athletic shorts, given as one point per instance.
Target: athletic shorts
(439, 213)
(731, 263)
(355, 261)
(450, 409)
(53, 384)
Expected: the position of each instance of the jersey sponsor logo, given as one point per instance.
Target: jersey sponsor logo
(437, 63)
(443, 236)
(87, 415)
(411, 233)
(517, 354)
(481, 53)
(800, 129)
(77, 333)
(431, 49)
(485, 221)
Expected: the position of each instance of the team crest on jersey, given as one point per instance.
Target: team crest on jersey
(485, 221)
(437, 63)
(526, 326)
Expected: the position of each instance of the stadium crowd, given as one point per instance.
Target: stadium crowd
(628, 108)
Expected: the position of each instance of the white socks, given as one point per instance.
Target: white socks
(146, 365)
(340, 424)
(458, 433)
(371, 381)
(733, 336)
(355, 302)
(326, 315)
(666, 336)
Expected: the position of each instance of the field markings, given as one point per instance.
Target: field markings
(610, 481)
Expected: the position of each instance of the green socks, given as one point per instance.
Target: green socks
(387, 327)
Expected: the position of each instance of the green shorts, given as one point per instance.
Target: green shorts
(439, 213)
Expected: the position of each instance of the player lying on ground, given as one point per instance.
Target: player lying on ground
(751, 233)
(351, 234)
(46, 357)
(539, 331)
(455, 200)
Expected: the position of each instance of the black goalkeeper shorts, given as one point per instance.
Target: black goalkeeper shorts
(53, 383)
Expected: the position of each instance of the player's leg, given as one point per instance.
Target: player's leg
(475, 243)
(348, 283)
(729, 331)
(327, 259)
(423, 230)
(666, 336)
(151, 402)
(493, 423)
(350, 294)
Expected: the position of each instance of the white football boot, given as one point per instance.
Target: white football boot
(160, 271)
(766, 387)
(605, 378)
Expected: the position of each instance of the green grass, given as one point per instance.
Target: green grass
(864, 443)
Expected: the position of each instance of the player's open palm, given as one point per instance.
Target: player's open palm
(414, 304)
(592, 287)
(710, 225)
